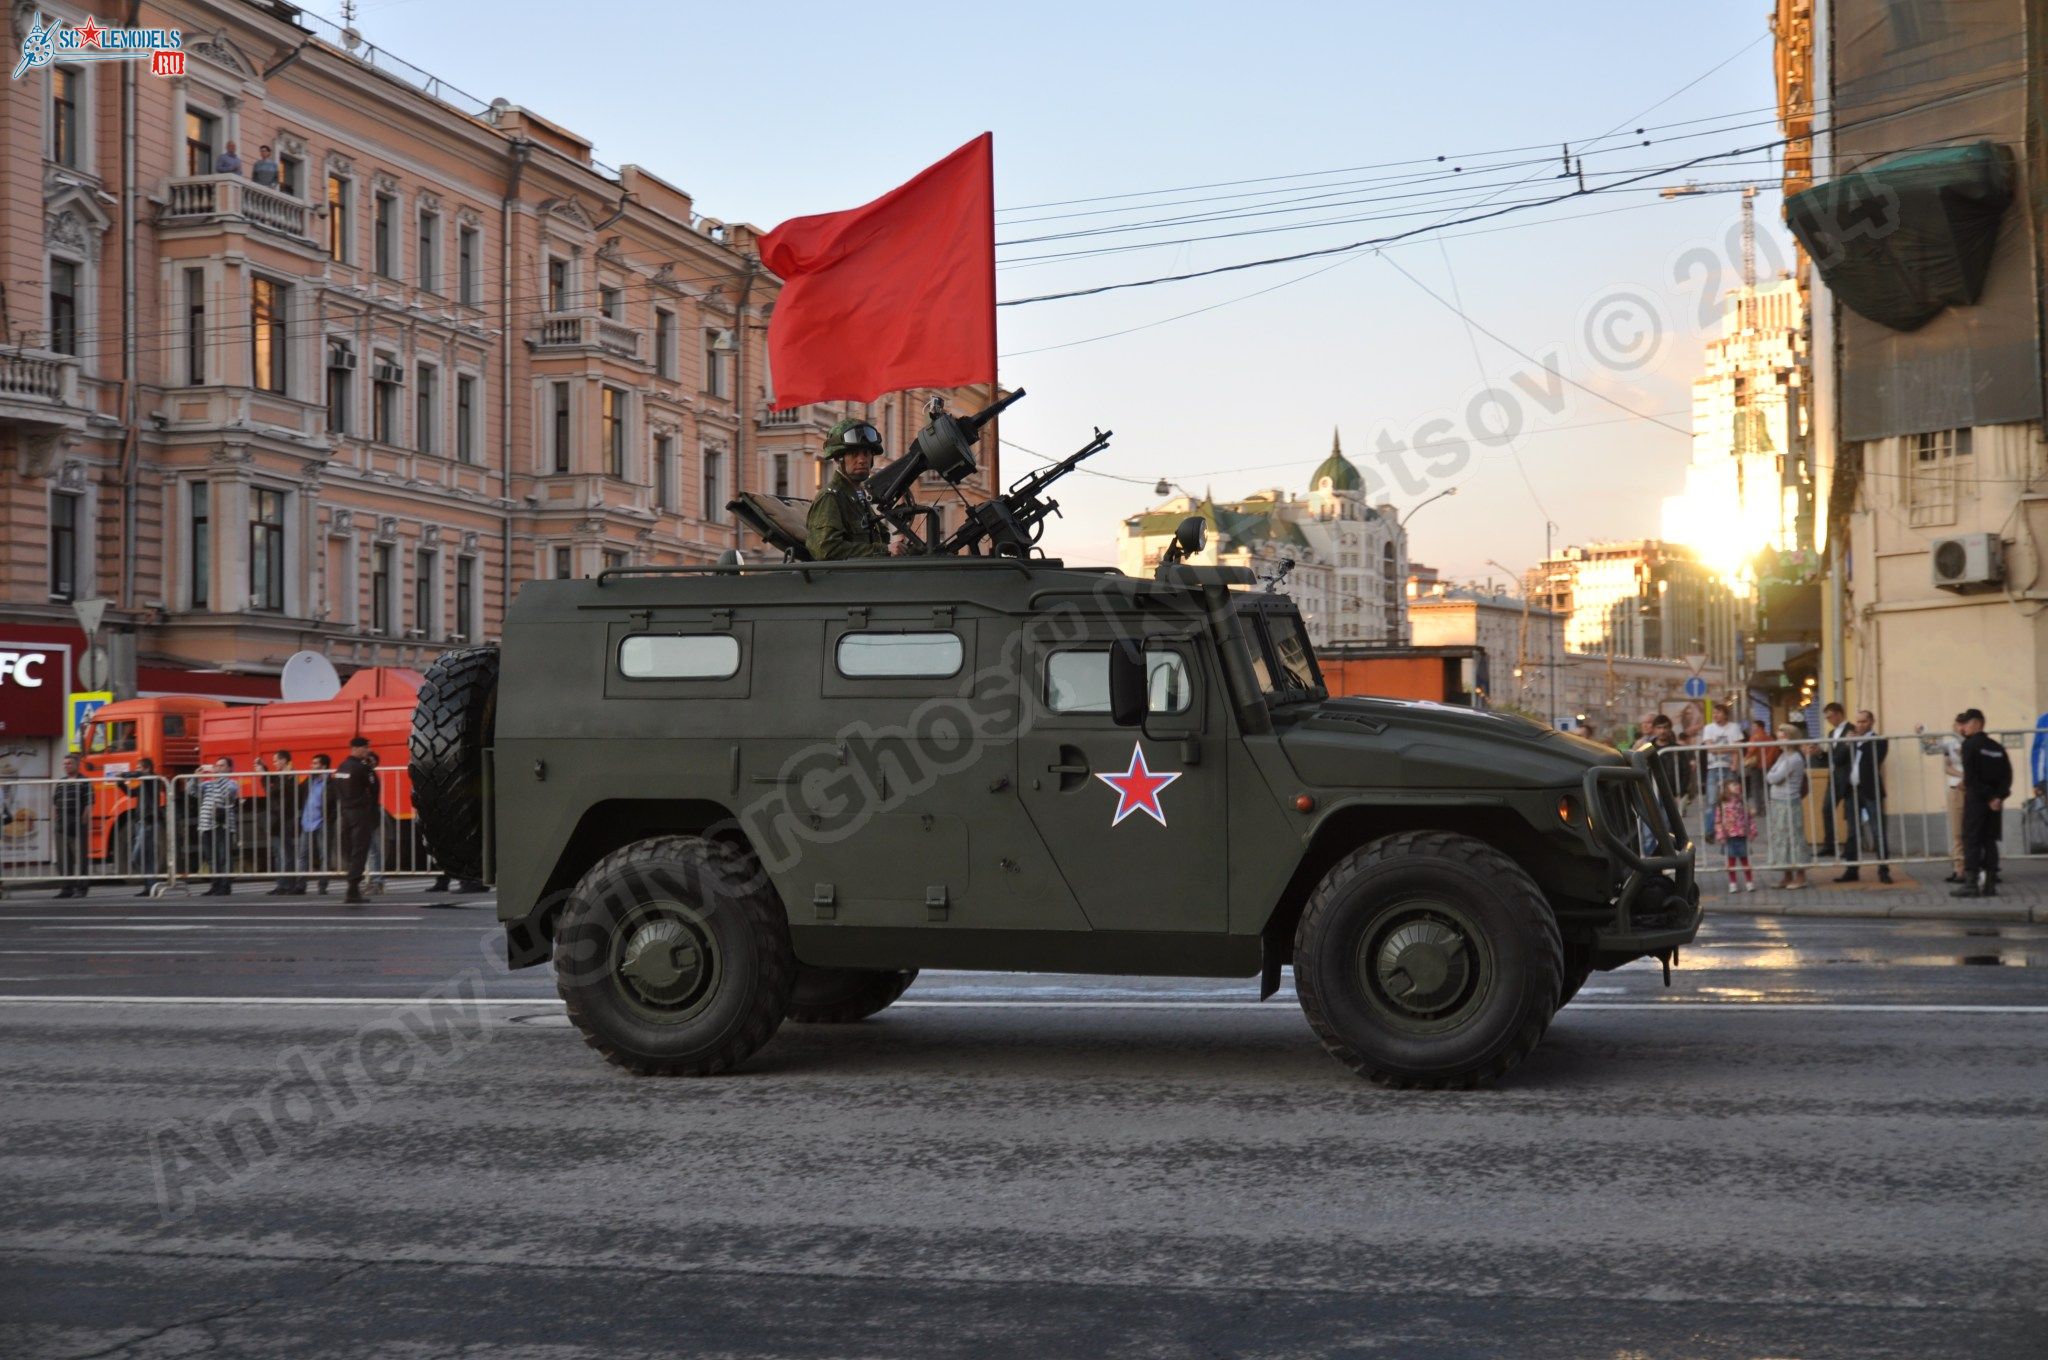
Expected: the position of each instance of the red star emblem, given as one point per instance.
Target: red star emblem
(89, 33)
(1137, 788)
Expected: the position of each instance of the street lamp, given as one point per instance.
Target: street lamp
(1402, 520)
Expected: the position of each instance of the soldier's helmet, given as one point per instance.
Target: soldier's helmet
(854, 434)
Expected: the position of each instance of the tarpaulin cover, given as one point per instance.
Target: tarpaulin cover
(1903, 239)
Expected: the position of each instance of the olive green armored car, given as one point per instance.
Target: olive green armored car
(718, 798)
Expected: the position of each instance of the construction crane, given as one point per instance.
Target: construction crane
(1748, 191)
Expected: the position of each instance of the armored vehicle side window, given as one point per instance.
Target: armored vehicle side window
(1077, 681)
(870, 656)
(700, 656)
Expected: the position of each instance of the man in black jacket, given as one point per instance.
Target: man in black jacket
(284, 800)
(1864, 780)
(352, 802)
(1987, 780)
(1835, 727)
(71, 820)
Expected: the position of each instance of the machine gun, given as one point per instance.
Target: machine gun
(1009, 525)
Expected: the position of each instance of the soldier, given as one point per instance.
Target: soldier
(1987, 781)
(842, 521)
(352, 794)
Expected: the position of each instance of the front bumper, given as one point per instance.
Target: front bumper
(1635, 819)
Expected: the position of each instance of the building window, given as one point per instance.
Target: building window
(714, 486)
(614, 424)
(341, 374)
(200, 561)
(1931, 475)
(67, 86)
(338, 196)
(291, 175)
(717, 357)
(430, 251)
(558, 285)
(266, 548)
(425, 568)
(195, 327)
(562, 559)
(465, 598)
(465, 265)
(267, 314)
(380, 590)
(63, 306)
(611, 302)
(384, 385)
(560, 439)
(63, 546)
(780, 466)
(465, 417)
(201, 130)
(664, 344)
(614, 560)
(383, 239)
(426, 415)
(664, 472)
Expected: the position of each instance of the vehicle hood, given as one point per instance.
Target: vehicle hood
(1411, 744)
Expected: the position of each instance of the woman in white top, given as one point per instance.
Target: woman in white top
(1784, 808)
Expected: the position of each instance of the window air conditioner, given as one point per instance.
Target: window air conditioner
(390, 373)
(341, 356)
(1968, 562)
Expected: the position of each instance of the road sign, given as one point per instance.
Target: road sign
(79, 709)
(1695, 662)
(1695, 688)
(90, 612)
(95, 669)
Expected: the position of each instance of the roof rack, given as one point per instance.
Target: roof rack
(1026, 565)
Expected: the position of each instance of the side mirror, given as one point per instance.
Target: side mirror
(1127, 698)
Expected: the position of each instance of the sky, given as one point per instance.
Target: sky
(1575, 328)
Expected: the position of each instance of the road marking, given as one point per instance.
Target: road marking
(106, 953)
(75, 920)
(171, 925)
(1250, 1007)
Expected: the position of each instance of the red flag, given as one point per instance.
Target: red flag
(899, 293)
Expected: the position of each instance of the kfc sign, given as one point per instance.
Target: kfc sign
(33, 682)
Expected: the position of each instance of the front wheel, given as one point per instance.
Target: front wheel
(1428, 959)
(673, 957)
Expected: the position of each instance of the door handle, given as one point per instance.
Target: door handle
(1066, 769)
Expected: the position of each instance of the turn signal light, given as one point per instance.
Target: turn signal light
(1567, 809)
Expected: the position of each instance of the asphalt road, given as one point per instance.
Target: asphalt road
(1824, 1140)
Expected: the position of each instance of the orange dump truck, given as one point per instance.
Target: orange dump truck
(184, 735)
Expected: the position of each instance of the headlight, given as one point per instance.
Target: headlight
(1568, 810)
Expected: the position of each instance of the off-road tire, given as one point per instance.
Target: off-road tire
(1450, 888)
(720, 904)
(1578, 966)
(451, 728)
(840, 996)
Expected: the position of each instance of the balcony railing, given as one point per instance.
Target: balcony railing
(775, 419)
(37, 378)
(206, 197)
(572, 330)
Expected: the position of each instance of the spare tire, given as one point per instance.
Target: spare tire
(451, 729)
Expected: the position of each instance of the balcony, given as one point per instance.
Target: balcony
(816, 416)
(206, 199)
(560, 331)
(39, 388)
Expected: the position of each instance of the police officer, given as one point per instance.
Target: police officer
(843, 523)
(1987, 779)
(352, 798)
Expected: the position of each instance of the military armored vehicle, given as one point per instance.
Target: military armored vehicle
(720, 797)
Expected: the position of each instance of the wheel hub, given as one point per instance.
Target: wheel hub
(1423, 966)
(664, 964)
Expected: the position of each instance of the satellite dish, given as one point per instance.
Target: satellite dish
(308, 678)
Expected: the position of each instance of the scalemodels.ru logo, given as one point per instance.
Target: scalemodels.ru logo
(162, 48)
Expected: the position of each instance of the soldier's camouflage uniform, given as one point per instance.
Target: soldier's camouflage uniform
(840, 524)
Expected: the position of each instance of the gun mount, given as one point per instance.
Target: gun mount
(1008, 525)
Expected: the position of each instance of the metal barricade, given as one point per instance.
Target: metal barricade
(202, 832)
(74, 833)
(1910, 814)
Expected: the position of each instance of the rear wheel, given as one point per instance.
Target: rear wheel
(840, 996)
(1428, 959)
(673, 957)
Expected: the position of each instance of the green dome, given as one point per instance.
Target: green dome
(1342, 475)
